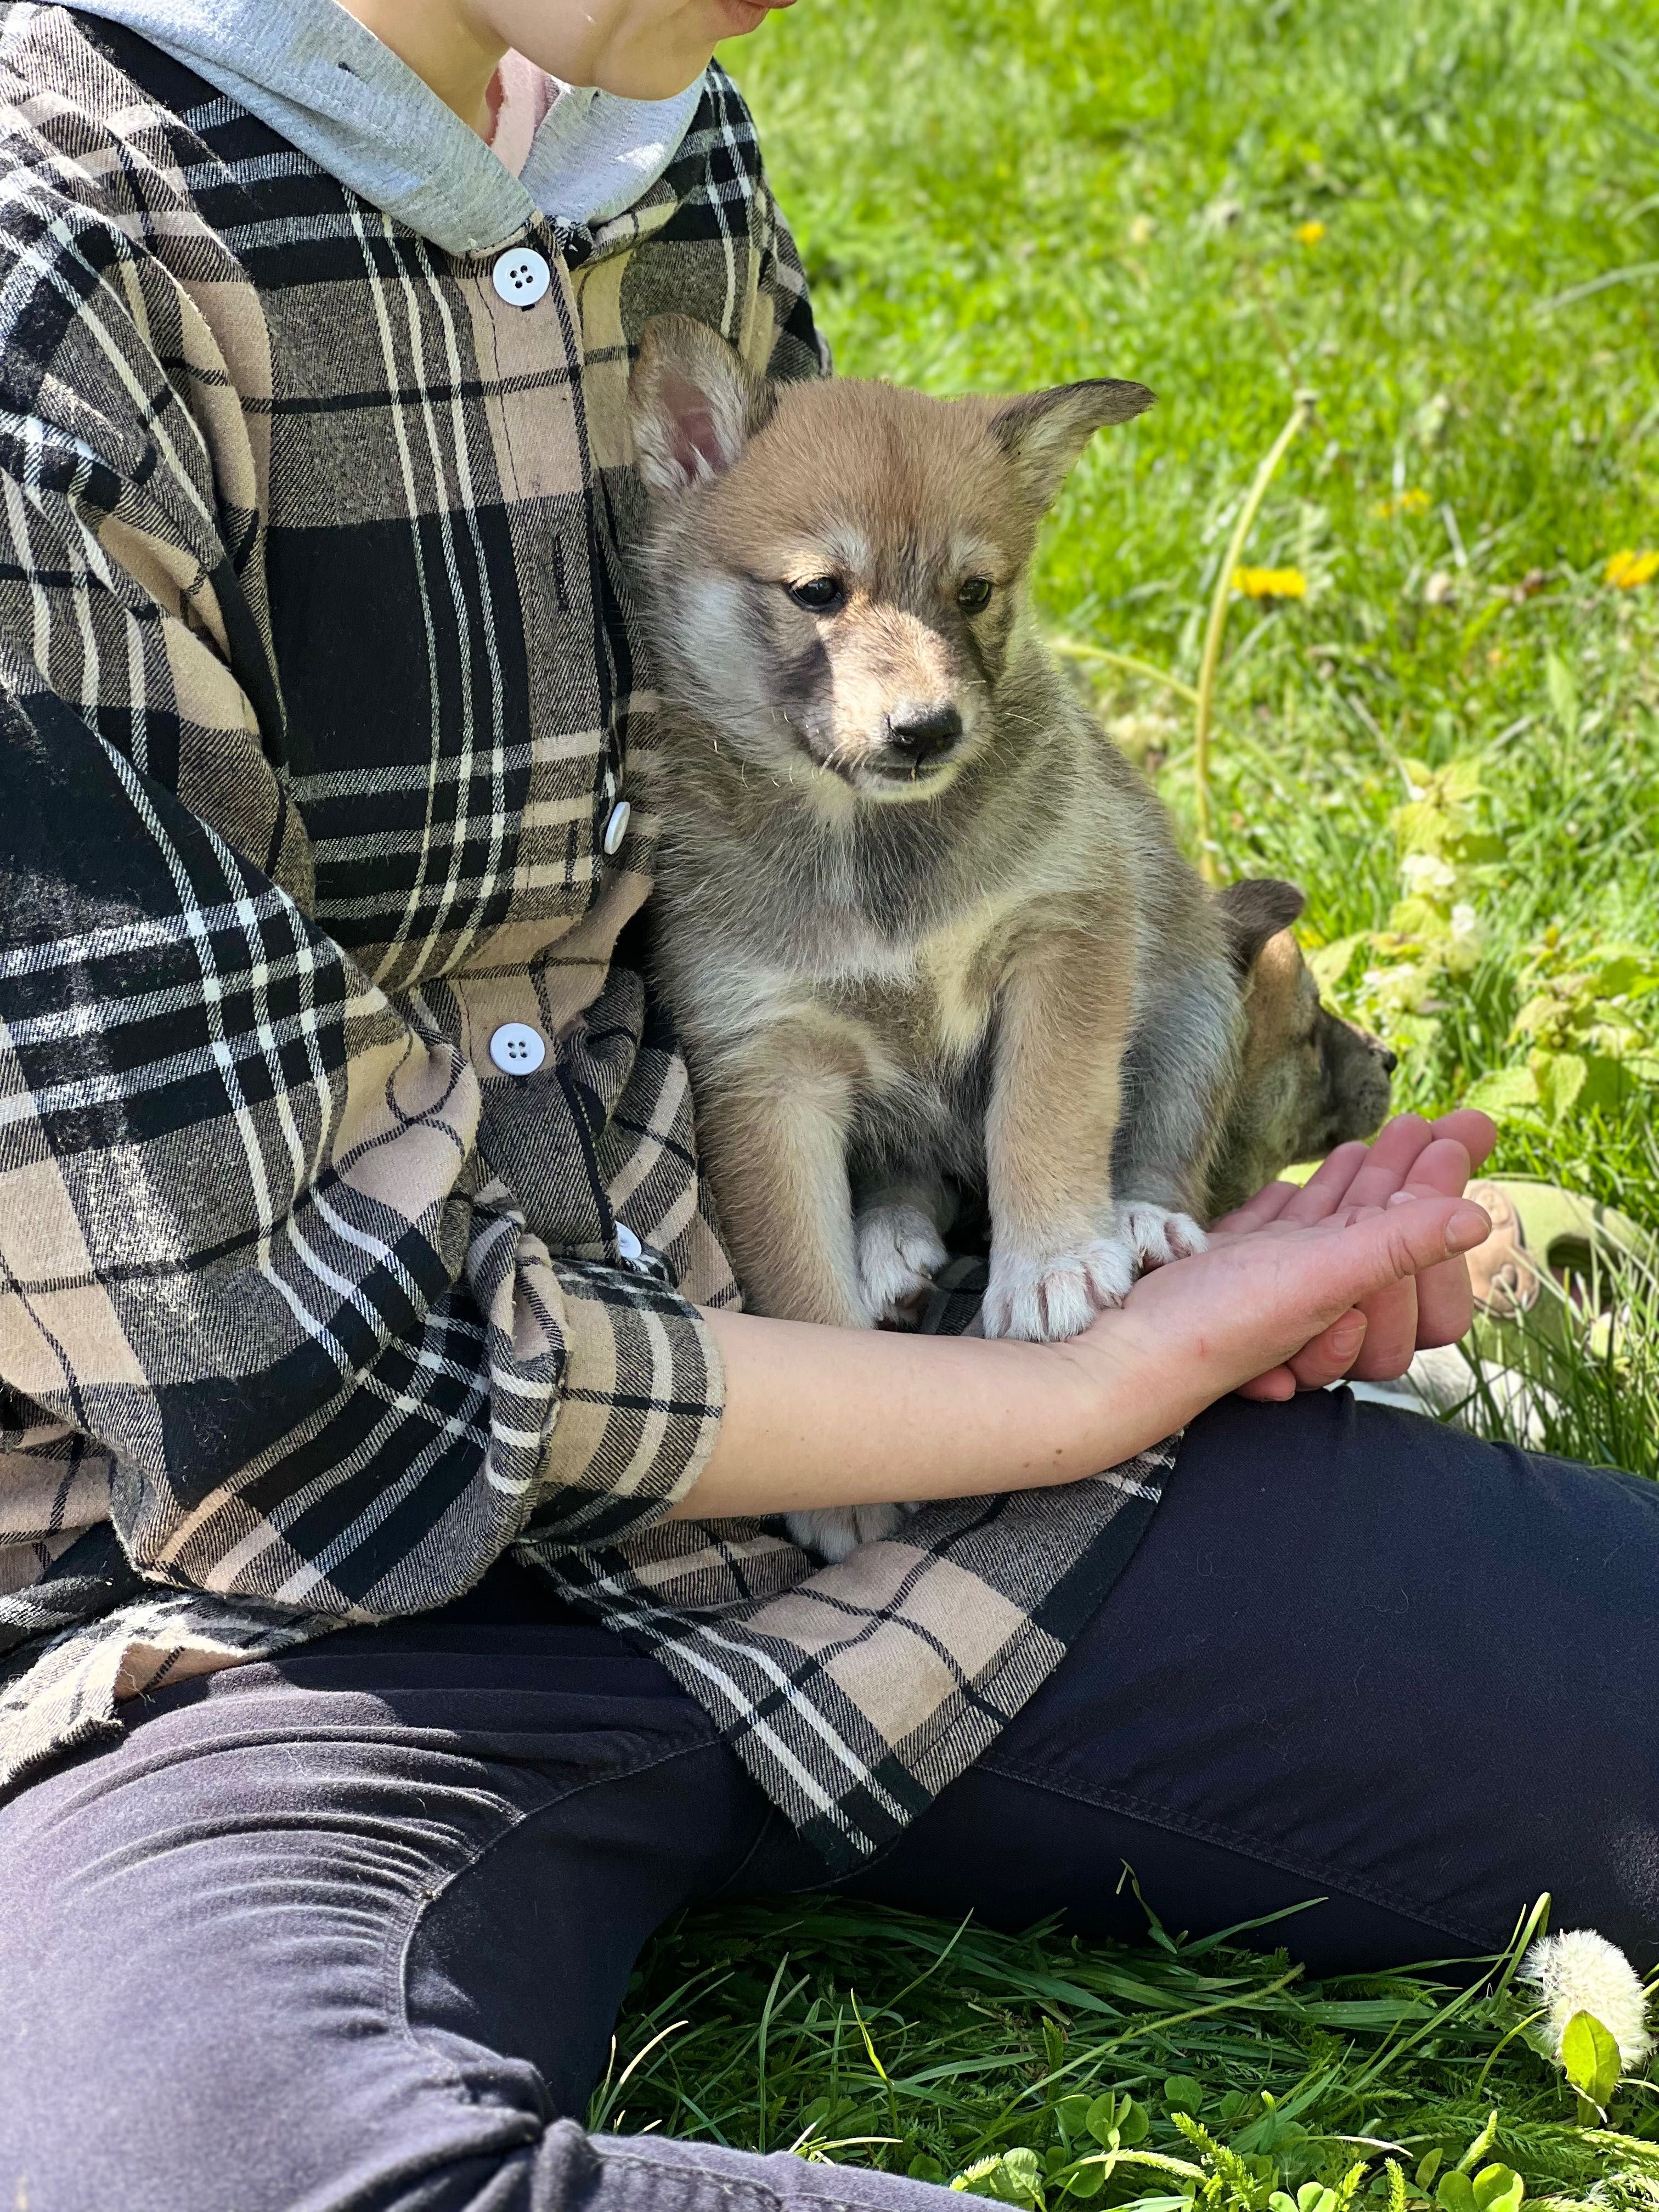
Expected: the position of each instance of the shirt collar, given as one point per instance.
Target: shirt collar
(318, 78)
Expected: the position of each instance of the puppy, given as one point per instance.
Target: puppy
(919, 924)
(1306, 1079)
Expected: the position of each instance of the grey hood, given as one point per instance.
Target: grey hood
(318, 78)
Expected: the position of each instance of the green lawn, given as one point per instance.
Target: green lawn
(1442, 216)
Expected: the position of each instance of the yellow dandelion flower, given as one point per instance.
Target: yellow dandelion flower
(1414, 502)
(1310, 234)
(1270, 583)
(1629, 568)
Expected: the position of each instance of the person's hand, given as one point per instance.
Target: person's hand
(1297, 1285)
(1412, 1158)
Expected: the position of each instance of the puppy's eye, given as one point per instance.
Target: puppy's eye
(974, 595)
(820, 594)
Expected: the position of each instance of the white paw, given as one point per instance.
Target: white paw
(833, 1531)
(1157, 1235)
(1042, 1297)
(899, 1253)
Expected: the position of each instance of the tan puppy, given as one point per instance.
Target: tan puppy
(1307, 1081)
(919, 924)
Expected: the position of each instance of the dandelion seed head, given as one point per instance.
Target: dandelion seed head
(1580, 1972)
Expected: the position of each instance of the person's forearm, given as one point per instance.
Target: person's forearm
(817, 1417)
(848, 1417)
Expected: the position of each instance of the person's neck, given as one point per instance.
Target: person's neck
(446, 49)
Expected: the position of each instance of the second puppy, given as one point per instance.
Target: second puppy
(1307, 1081)
(918, 923)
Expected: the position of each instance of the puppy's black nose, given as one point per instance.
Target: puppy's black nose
(1390, 1060)
(924, 735)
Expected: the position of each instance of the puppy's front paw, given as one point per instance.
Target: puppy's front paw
(1157, 1235)
(899, 1252)
(1042, 1297)
(833, 1531)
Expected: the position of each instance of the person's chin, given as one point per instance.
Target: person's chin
(742, 16)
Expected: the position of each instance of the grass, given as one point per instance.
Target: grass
(874, 2036)
(1440, 217)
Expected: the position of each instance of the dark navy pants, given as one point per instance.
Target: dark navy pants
(348, 1930)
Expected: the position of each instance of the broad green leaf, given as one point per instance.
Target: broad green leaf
(1455, 2193)
(1015, 2178)
(1498, 2189)
(1505, 1090)
(1537, 1012)
(1590, 2057)
(922, 2168)
(1279, 2202)
(977, 2180)
(1183, 2093)
(1618, 974)
(1331, 962)
(1563, 691)
(1133, 2123)
(1424, 919)
(1101, 2122)
(1088, 2181)
(1604, 1082)
(1560, 1077)
(1072, 2113)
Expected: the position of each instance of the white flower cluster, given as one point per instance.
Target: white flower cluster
(1580, 1972)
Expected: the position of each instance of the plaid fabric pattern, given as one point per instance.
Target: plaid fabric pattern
(319, 683)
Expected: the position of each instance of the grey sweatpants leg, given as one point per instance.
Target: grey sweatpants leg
(647, 2173)
(347, 1932)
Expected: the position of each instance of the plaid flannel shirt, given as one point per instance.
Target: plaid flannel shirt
(320, 685)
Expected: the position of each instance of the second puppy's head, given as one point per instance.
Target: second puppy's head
(838, 569)
(1308, 1080)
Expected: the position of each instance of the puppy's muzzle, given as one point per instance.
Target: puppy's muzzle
(919, 738)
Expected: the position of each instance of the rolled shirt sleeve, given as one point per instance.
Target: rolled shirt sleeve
(250, 1255)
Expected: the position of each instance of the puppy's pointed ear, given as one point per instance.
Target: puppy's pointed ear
(1253, 911)
(693, 404)
(1043, 432)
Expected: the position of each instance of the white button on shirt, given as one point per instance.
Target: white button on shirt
(517, 1049)
(521, 276)
(617, 828)
(629, 1246)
